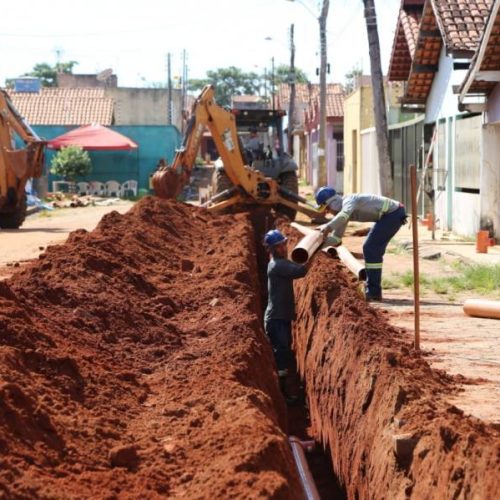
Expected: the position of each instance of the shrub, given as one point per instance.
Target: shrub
(71, 162)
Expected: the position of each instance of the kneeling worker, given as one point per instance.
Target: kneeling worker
(389, 215)
(280, 311)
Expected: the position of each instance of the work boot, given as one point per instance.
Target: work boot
(289, 398)
(373, 298)
(373, 295)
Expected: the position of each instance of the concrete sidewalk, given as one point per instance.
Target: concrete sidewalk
(446, 242)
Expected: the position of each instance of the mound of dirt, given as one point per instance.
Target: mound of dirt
(133, 362)
(379, 406)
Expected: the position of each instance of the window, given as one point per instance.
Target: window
(340, 151)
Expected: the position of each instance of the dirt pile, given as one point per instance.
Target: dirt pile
(379, 406)
(132, 361)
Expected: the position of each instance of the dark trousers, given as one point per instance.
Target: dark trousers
(374, 248)
(279, 332)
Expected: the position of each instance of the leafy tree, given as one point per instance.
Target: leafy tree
(282, 75)
(228, 82)
(233, 81)
(350, 79)
(71, 162)
(48, 73)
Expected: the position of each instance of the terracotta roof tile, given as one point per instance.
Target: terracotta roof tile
(405, 39)
(461, 22)
(490, 52)
(335, 105)
(57, 106)
(305, 92)
(458, 24)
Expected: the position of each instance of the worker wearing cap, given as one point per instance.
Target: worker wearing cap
(280, 311)
(389, 215)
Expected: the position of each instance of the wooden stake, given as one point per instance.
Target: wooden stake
(416, 274)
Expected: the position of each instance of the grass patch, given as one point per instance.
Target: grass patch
(481, 279)
(396, 249)
(45, 213)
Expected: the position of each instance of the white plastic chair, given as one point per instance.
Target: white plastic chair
(128, 187)
(112, 188)
(83, 188)
(96, 188)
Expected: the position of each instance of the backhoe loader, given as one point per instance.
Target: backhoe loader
(243, 182)
(16, 165)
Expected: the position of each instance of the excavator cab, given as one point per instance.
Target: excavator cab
(260, 132)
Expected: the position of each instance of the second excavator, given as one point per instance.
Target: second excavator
(16, 165)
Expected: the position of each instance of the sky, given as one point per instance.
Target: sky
(133, 38)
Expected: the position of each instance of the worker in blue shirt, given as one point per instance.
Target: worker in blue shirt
(280, 311)
(389, 215)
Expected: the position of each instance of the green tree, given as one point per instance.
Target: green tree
(233, 81)
(71, 162)
(228, 82)
(282, 75)
(48, 73)
(350, 79)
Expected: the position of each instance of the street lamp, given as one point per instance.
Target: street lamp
(322, 177)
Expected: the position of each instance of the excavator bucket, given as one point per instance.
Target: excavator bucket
(168, 182)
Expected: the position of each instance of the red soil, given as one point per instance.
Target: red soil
(133, 363)
(366, 385)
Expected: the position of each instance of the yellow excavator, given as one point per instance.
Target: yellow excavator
(16, 165)
(246, 184)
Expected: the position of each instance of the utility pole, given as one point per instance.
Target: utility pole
(265, 85)
(272, 82)
(169, 87)
(322, 177)
(184, 91)
(291, 104)
(382, 135)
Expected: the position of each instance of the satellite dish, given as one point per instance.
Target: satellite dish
(104, 75)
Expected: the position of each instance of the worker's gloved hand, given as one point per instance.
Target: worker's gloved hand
(324, 229)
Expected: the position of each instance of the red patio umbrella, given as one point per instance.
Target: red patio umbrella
(95, 138)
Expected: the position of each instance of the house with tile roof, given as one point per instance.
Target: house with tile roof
(361, 172)
(434, 44)
(480, 92)
(305, 129)
(141, 114)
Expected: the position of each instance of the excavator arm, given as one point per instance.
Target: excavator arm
(250, 186)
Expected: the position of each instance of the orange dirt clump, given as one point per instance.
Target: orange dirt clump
(133, 362)
(379, 406)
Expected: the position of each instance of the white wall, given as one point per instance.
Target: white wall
(370, 171)
(466, 212)
(443, 159)
(493, 106)
(490, 177)
(442, 102)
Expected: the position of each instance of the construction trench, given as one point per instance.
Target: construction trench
(134, 363)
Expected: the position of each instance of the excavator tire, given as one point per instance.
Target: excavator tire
(289, 181)
(14, 220)
(220, 181)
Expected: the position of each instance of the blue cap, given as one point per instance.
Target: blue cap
(323, 195)
(273, 237)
